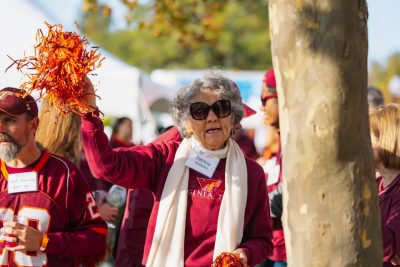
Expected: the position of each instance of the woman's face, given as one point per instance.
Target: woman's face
(125, 131)
(212, 132)
(271, 108)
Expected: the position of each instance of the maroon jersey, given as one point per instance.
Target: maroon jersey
(63, 207)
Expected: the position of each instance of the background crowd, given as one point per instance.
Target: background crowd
(198, 190)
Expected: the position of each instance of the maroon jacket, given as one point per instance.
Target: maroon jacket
(148, 166)
(63, 207)
(389, 201)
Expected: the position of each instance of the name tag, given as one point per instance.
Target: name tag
(203, 163)
(22, 182)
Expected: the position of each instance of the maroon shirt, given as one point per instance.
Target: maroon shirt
(148, 166)
(389, 202)
(63, 207)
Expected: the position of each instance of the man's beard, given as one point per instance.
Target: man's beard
(9, 150)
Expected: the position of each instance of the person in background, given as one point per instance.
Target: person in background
(132, 223)
(60, 134)
(375, 98)
(178, 235)
(385, 139)
(137, 214)
(122, 133)
(132, 236)
(273, 172)
(58, 222)
(272, 145)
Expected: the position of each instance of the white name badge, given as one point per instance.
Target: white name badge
(203, 163)
(22, 182)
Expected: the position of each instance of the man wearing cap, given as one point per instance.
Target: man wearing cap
(273, 172)
(47, 212)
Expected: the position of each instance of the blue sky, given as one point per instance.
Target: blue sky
(383, 26)
(384, 20)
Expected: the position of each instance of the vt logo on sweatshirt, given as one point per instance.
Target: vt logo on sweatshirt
(209, 185)
(206, 188)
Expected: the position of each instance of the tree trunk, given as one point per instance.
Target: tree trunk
(331, 212)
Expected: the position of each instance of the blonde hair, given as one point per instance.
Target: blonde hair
(385, 126)
(60, 134)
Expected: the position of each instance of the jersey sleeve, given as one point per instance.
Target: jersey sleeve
(134, 167)
(85, 237)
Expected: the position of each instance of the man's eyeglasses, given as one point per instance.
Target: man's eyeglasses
(264, 99)
(200, 110)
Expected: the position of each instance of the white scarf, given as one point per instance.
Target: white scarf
(167, 248)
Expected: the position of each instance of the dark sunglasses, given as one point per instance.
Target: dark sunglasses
(264, 99)
(200, 110)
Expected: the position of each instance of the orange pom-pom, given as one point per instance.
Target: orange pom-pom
(60, 63)
(226, 259)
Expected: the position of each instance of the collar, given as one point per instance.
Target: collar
(220, 153)
(43, 159)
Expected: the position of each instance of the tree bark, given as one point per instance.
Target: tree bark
(331, 212)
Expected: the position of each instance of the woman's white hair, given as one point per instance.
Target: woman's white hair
(222, 87)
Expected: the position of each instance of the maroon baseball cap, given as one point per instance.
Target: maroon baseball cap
(13, 102)
(269, 80)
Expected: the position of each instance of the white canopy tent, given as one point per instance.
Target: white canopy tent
(117, 84)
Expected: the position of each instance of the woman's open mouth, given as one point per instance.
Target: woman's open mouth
(213, 130)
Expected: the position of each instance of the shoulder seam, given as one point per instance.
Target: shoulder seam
(67, 185)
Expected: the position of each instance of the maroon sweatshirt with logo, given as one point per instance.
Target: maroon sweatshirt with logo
(148, 166)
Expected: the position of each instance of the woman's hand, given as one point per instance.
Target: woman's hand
(89, 91)
(235, 258)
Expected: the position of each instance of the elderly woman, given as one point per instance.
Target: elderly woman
(209, 198)
(385, 137)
